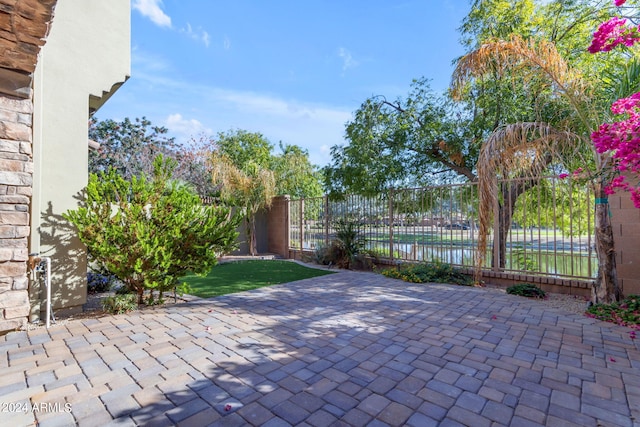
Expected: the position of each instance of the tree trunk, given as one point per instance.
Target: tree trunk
(605, 288)
(510, 193)
(251, 234)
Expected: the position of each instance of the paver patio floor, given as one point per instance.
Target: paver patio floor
(344, 349)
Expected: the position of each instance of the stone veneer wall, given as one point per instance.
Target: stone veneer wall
(24, 25)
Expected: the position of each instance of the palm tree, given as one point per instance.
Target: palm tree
(251, 189)
(525, 149)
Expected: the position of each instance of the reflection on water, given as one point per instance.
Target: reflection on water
(552, 257)
(575, 264)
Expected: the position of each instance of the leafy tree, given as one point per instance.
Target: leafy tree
(242, 148)
(411, 141)
(129, 147)
(491, 19)
(148, 231)
(294, 174)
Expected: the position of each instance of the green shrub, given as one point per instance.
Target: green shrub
(526, 290)
(119, 303)
(348, 243)
(625, 313)
(148, 232)
(523, 260)
(347, 249)
(435, 271)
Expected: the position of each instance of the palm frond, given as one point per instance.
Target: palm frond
(519, 150)
(525, 59)
(622, 85)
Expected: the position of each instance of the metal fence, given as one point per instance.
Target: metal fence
(550, 229)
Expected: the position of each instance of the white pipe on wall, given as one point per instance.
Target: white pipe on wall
(47, 260)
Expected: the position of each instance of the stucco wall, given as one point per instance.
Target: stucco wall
(87, 56)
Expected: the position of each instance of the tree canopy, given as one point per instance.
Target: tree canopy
(293, 172)
(129, 147)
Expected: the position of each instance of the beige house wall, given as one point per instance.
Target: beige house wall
(86, 58)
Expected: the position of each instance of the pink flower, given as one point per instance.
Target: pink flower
(563, 175)
(227, 407)
(622, 140)
(626, 105)
(613, 33)
(619, 2)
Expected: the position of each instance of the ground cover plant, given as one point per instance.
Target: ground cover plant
(119, 303)
(624, 313)
(526, 290)
(239, 276)
(428, 272)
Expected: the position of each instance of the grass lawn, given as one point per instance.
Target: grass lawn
(238, 276)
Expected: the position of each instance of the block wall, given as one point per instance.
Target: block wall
(625, 219)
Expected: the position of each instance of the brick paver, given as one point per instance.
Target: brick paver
(349, 349)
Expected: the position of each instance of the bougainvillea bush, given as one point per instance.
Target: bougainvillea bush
(621, 139)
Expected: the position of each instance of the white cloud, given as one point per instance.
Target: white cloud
(185, 128)
(189, 109)
(152, 9)
(198, 34)
(347, 59)
(226, 43)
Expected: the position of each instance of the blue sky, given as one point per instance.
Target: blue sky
(293, 70)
